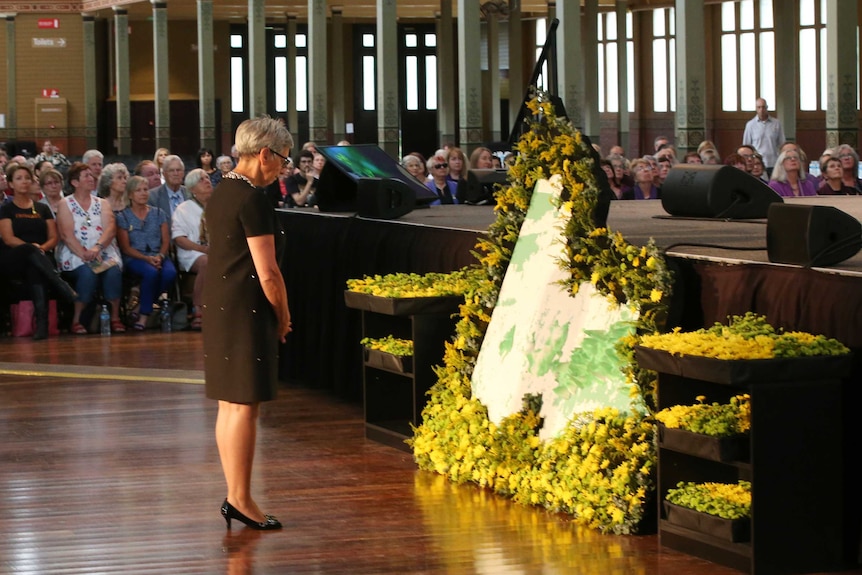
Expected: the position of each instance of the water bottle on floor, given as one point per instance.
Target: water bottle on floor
(105, 320)
(165, 318)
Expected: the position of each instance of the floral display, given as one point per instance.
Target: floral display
(403, 285)
(745, 337)
(714, 419)
(390, 345)
(600, 469)
(725, 500)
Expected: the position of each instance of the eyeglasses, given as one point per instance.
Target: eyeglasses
(842, 156)
(285, 162)
(438, 166)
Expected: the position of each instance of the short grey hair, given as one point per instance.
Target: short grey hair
(107, 178)
(223, 159)
(89, 154)
(263, 132)
(194, 177)
(173, 158)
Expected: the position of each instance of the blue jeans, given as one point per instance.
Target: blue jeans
(153, 281)
(86, 283)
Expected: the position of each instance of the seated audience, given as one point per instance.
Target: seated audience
(88, 251)
(469, 191)
(709, 157)
(415, 167)
(737, 161)
(159, 160)
(52, 189)
(302, 185)
(148, 170)
(317, 164)
(172, 193)
(621, 170)
(206, 162)
(614, 184)
(277, 190)
(692, 158)
(224, 164)
(482, 159)
(644, 188)
(189, 232)
(832, 184)
(94, 160)
(849, 166)
(29, 234)
(112, 185)
(747, 153)
(789, 176)
(145, 240)
(758, 170)
(440, 183)
(664, 166)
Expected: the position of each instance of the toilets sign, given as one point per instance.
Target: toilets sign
(49, 42)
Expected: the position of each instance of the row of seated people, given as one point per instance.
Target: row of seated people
(92, 239)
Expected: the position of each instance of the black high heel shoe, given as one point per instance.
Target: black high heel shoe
(229, 512)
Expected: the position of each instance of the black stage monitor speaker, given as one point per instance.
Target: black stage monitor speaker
(384, 198)
(345, 166)
(816, 236)
(697, 191)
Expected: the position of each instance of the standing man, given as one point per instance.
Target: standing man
(765, 134)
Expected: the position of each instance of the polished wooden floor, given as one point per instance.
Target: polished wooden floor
(108, 465)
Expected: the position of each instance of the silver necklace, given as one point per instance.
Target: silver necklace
(234, 176)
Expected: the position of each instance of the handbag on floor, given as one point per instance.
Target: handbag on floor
(24, 322)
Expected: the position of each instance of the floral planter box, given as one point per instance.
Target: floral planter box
(402, 306)
(733, 448)
(387, 361)
(728, 371)
(733, 530)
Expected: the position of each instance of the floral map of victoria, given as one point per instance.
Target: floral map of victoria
(542, 341)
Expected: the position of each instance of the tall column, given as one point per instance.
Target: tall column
(690, 76)
(492, 19)
(91, 114)
(318, 69)
(592, 121)
(842, 66)
(469, 76)
(256, 58)
(292, 113)
(387, 77)
(121, 71)
(446, 107)
(517, 87)
(160, 72)
(570, 82)
(206, 81)
(339, 101)
(786, 89)
(623, 119)
(11, 85)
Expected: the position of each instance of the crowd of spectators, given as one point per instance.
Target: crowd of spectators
(100, 228)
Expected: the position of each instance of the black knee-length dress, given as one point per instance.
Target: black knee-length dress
(239, 324)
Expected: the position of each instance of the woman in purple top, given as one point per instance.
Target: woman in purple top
(643, 188)
(440, 183)
(789, 177)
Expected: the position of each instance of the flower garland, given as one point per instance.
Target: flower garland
(600, 469)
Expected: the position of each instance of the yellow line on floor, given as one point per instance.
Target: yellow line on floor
(103, 373)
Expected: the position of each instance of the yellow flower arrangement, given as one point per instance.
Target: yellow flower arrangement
(390, 345)
(745, 337)
(600, 469)
(403, 285)
(725, 500)
(715, 419)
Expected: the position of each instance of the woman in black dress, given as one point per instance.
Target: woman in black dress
(245, 307)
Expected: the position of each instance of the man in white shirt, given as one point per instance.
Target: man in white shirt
(765, 134)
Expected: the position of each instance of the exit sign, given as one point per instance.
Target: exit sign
(45, 23)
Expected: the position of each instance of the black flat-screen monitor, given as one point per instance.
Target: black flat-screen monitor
(346, 165)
